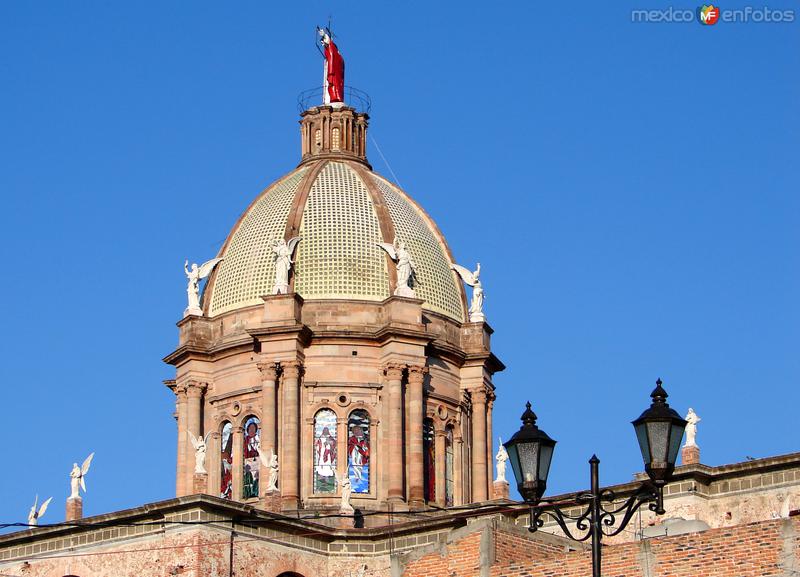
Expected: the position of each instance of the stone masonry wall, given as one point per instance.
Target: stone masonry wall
(770, 548)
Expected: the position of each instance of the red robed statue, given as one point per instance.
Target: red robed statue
(334, 69)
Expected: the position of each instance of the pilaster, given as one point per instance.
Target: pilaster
(394, 376)
(290, 440)
(479, 477)
(416, 378)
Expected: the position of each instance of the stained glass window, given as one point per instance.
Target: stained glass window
(226, 465)
(252, 462)
(325, 451)
(358, 454)
(429, 459)
(449, 483)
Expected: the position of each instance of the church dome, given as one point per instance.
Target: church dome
(341, 209)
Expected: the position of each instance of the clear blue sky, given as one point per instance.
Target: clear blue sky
(631, 191)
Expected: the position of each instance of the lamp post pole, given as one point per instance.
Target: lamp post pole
(597, 533)
(659, 430)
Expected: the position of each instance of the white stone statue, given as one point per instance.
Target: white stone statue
(691, 428)
(501, 458)
(195, 275)
(33, 514)
(199, 444)
(406, 269)
(283, 263)
(271, 462)
(473, 280)
(347, 490)
(76, 477)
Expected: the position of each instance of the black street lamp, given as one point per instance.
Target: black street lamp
(659, 430)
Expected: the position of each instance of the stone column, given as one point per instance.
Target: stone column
(394, 377)
(458, 466)
(213, 464)
(489, 439)
(479, 483)
(416, 468)
(441, 465)
(194, 396)
(238, 463)
(268, 422)
(290, 438)
(183, 441)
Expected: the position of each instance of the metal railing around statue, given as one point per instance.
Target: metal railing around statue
(353, 97)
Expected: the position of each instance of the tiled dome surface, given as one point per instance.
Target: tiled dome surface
(338, 257)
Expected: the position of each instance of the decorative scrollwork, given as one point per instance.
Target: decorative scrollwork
(607, 516)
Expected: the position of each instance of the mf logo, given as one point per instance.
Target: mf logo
(708, 15)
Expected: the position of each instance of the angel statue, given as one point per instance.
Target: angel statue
(406, 269)
(347, 490)
(195, 275)
(199, 444)
(33, 515)
(501, 458)
(77, 474)
(472, 279)
(691, 428)
(283, 263)
(271, 462)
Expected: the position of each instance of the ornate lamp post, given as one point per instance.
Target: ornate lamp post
(659, 430)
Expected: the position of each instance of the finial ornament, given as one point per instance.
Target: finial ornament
(271, 462)
(34, 515)
(347, 490)
(691, 428)
(199, 444)
(76, 477)
(472, 279)
(333, 77)
(406, 269)
(283, 251)
(194, 276)
(501, 458)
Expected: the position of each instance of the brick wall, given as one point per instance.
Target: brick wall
(756, 550)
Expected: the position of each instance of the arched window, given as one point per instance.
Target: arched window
(252, 463)
(449, 485)
(358, 457)
(429, 459)
(325, 451)
(226, 465)
(335, 139)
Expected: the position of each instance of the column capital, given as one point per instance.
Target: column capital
(269, 370)
(180, 391)
(195, 388)
(416, 373)
(478, 395)
(291, 369)
(394, 371)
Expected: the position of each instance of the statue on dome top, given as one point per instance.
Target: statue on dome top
(194, 276)
(333, 89)
(473, 279)
(199, 444)
(691, 428)
(34, 515)
(406, 269)
(76, 482)
(283, 263)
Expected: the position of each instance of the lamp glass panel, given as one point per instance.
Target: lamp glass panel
(675, 441)
(641, 436)
(513, 456)
(529, 460)
(545, 457)
(658, 432)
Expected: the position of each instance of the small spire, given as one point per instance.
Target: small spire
(528, 417)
